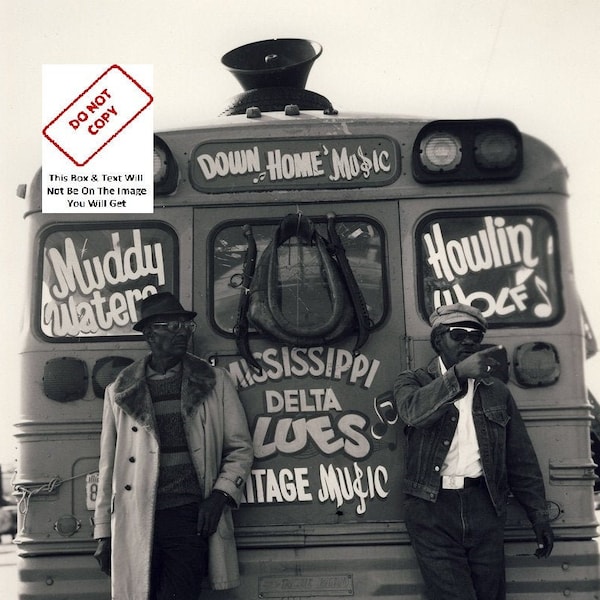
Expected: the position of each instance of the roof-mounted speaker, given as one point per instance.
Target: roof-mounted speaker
(272, 63)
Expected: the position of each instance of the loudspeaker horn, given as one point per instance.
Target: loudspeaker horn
(272, 63)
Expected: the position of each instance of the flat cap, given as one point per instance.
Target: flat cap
(450, 314)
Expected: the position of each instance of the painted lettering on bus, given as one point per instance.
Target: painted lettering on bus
(75, 273)
(306, 421)
(346, 162)
(345, 485)
(353, 484)
(497, 245)
(346, 434)
(507, 301)
(313, 419)
(97, 313)
(275, 432)
(233, 162)
(349, 166)
(90, 295)
(322, 362)
(508, 253)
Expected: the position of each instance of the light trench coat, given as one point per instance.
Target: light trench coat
(221, 450)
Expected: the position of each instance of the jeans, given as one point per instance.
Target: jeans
(179, 556)
(459, 544)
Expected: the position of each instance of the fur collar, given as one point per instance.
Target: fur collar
(132, 394)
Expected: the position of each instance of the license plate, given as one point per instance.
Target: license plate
(91, 490)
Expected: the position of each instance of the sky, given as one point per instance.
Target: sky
(535, 62)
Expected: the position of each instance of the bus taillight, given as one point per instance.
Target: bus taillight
(536, 364)
(65, 379)
(166, 171)
(467, 151)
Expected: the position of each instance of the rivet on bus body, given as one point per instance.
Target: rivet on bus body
(253, 112)
(567, 592)
(565, 566)
(49, 581)
(291, 110)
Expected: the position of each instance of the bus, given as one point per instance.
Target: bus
(313, 244)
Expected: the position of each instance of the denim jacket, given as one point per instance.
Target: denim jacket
(425, 401)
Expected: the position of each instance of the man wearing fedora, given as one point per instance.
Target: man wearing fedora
(175, 452)
(466, 448)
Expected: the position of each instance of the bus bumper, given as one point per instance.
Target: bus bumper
(359, 572)
(368, 572)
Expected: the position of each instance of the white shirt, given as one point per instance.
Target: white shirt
(463, 458)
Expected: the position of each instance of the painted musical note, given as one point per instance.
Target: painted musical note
(387, 413)
(261, 177)
(542, 310)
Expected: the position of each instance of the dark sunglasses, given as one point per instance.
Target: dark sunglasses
(175, 326)
(459, 334)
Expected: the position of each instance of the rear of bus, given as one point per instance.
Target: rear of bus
(428, 213)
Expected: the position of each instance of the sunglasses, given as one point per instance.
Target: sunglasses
(175, 326)
(459, 334)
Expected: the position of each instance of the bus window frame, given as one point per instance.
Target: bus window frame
(94, 225)
(493, 211)
(273, 222)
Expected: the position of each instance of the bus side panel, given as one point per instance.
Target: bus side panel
(59, 429)
(61, 576)
(556, 412)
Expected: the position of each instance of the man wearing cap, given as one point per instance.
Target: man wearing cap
(466, 448)
(175, 452)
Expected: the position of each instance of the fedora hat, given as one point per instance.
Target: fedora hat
(163, 304)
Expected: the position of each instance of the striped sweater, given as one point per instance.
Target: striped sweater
(177, 481)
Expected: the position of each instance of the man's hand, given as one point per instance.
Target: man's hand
(209, 513)
(102, 555)
(477, 365)
(544, 537)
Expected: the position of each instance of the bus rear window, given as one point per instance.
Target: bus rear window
(363, 244)
(93, 276)
(504, 263)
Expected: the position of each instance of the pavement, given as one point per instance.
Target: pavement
(6, 545)
(8, 568)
